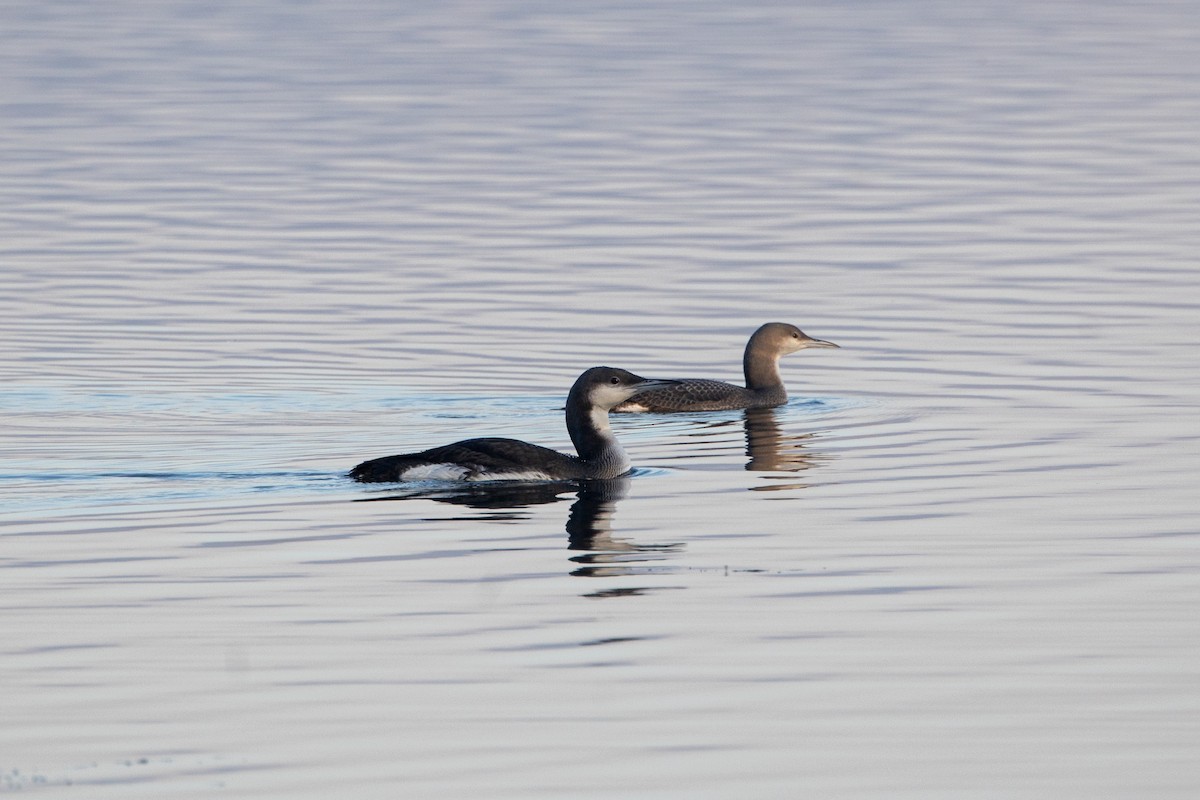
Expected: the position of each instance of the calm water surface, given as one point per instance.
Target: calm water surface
(242, 249)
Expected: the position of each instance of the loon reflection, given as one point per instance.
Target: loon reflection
(589, 528)
(588, 525)
(769, 449)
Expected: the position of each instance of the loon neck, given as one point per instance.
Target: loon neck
(762, 370)
(593, 437)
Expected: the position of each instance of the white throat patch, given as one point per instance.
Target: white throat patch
(614, 459)
(599, 418)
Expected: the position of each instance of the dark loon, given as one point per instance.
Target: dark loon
(764, 388)
(600, 455)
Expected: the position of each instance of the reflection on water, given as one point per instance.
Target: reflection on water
(758, 435)
(479, 494)
(243, 244)
(588, 526)
(772, 450)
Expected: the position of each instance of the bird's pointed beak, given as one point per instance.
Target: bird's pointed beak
(811, 342)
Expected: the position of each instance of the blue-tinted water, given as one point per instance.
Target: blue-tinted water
(244, 248)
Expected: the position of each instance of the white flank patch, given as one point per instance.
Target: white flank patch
(435, 472)
(524, 475)
(634, 408)
(457, 472)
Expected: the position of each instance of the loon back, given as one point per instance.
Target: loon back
(594, 393)
(701, 394)
(474, 460)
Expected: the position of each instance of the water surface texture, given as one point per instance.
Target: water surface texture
(245, 246)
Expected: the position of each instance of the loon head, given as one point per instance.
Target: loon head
(605, 387)
(782, 338)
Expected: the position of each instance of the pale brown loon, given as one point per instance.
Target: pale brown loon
(764, 387)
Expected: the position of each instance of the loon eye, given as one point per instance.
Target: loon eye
(614, 380)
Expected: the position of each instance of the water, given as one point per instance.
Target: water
(242, 249)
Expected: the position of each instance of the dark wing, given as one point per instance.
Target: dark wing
(494, 454)
(477, 456)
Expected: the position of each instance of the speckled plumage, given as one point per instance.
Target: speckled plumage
(697, 394)
(764, 386)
